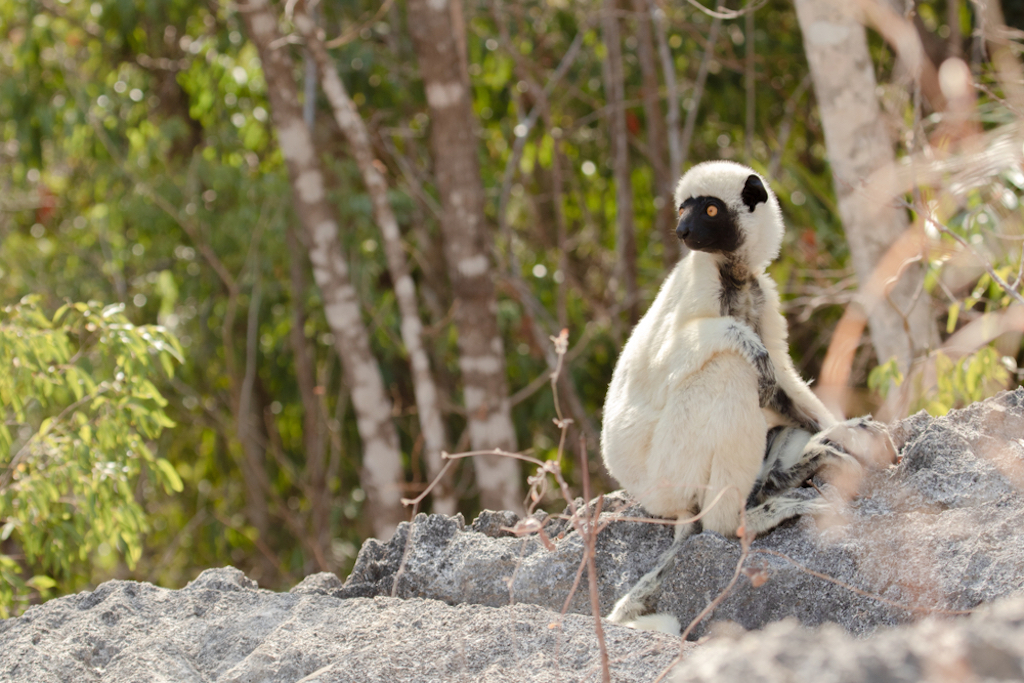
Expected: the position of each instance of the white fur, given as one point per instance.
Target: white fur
(682, 422)
(662, 623)
(725, 180)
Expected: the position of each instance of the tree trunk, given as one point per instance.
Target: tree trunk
(313, 428)
(467, 251)
(381, 475)
(668, 68)
(748, 77)
(249, 413)
(253, 457)
(698, 91)
(354, 129)
(615, 94)
(858, 144)
(665, 212)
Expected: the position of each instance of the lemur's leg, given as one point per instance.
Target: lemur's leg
(794, 456)
(865, 440)
(781, 403)
(777, 508)
(790, 459)
(635, 602)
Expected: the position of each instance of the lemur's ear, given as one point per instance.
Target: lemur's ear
(754, 192)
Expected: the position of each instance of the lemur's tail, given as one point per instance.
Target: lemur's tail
(633, 607)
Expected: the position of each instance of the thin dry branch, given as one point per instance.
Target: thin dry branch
(351, 34)
(836, 369)
(187, 225)
(786, 127)
(525, 125)
(722, 12)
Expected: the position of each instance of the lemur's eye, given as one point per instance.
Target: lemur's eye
(681, 211)
(712, 210)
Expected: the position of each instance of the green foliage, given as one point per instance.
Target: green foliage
(80, 412)
(962, 381)
(948, 383)
(884, 377)
(138, 165)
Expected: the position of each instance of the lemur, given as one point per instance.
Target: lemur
(705, 404)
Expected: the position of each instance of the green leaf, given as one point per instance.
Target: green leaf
(41, 582)
(165, 361)
(167, 288)
(954, 313)
(172, 482)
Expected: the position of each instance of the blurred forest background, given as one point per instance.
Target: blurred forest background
(262, 263)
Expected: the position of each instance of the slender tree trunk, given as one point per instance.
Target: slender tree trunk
(248, 415)
(668, 68)
(354, 129)
(665, 213)
(562, 229)
(381, 475)
(748, 137)
(253, 461)
(467, 251)
(615, 94)
(313, 428)
(955, 41)
(698, 90)
(858, 144)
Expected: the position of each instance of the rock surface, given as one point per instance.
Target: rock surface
(942, 530)
(221, 628)
(989, 646)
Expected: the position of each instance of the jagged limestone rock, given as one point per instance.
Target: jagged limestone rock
(989, 646)
(943, 529)
(222, 629)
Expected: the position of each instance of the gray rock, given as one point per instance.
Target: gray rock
(446, 561)
(317, 584)
(942, 530)
(987, 646)
(223, 629)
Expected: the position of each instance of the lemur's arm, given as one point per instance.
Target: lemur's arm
(792, 399)
(707, 337)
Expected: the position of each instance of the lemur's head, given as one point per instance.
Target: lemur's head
(727, 208)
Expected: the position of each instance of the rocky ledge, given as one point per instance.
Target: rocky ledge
(875, 592)
(942, 531)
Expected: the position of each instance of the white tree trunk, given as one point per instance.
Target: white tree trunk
(467, 251)
(354, 129)
(615, 95)
(858, 144)
(382, 475)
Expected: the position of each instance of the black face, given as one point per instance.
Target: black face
(707, 224)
